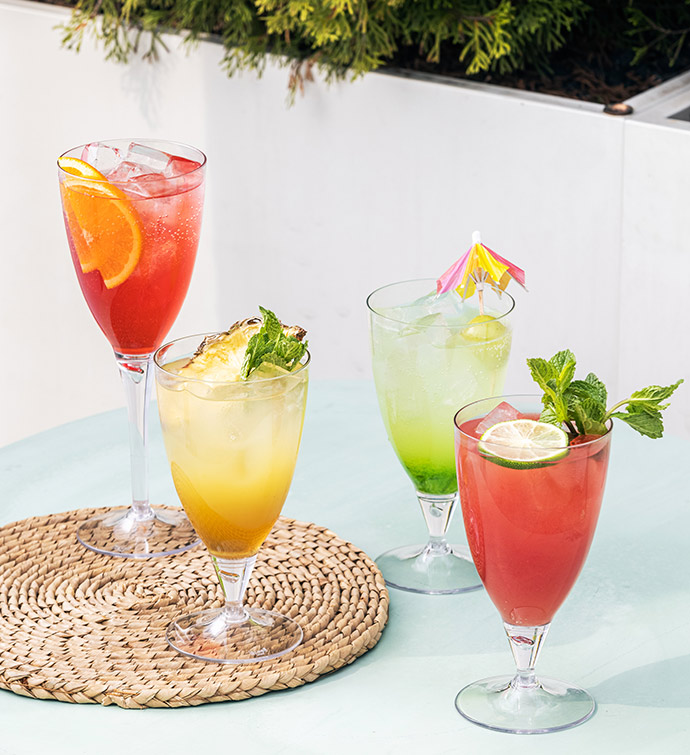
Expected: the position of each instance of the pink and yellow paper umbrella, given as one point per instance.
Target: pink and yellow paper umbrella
(479, 265)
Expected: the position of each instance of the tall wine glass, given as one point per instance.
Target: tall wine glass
(232, 448)
(132, 212)
(529, 527)
(428, 359)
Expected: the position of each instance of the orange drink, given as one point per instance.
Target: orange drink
(232, 450)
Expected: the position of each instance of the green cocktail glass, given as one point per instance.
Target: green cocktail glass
(432, 355)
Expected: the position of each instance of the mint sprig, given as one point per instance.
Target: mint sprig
(580, 405)
(273, 345)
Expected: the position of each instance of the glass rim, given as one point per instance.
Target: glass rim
(536, 397)
(201, 336)
(202, 162)
(375, 311)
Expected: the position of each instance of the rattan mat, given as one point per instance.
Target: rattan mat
(85, 628)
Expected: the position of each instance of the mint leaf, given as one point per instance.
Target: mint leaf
(549, 415)
(564, 366)
(646, 401)
(289, 349)
(590, 388)
(654, 394)
(554, 377)
(545, 375)
(273, 358)
(271, 327)
(541, 371)
(587, 405)
(643, 409)
(588, 416)
(647, 424)
(273, 345)
(580, 405)
(597, 388)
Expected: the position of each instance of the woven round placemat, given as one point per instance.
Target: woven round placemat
(85, 628)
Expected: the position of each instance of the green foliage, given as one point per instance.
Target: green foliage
(580, 405)
(353, 37)
(643, 409)
(660, 25)
(272, 345)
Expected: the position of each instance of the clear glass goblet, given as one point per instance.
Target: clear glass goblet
(133, 221)
(232, 448)
(427, 361)
(530, 527)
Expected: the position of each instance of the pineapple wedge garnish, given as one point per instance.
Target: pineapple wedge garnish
(222, 357)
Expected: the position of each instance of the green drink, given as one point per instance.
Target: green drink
(432, 354)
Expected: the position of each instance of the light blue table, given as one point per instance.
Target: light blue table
(624, 632)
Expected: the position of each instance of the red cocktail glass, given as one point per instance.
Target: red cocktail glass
(529, 527)
(132, 211)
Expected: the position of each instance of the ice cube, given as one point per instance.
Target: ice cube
(417, 313)
(148, 185)
(102, 156)
(127, 171)
(504, 412)
(146, 172)
(149, 159)
(437, 316)
(159, 162)
(450, 308)
(179, 166)
(141, 171)
(456, 310)
(419, 309)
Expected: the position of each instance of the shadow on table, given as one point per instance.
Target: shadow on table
(664, 684)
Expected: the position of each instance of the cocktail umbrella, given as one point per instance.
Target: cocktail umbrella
(479, 265)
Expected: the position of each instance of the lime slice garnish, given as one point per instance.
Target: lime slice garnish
(523, 443)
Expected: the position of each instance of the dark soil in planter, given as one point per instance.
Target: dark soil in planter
(604, 78)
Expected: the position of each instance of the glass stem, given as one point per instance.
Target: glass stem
(234, 575)
(136, 378)
(525, 642)
(438, 511)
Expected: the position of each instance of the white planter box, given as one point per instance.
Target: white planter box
(311, 207)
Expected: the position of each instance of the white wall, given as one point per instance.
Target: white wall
(309, 208)
(655, 270)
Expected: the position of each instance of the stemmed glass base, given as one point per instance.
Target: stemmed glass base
(501, 704)
(139, 531)
(523, 703)
(436, 568)
(234, 633)
(128, 533)
(226, 636)
(443, 570)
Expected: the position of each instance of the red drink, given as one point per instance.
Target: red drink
(530, 528)
(165, 211)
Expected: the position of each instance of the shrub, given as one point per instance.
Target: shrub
(353, 37)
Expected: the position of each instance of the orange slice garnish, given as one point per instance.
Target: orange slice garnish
(103, 223)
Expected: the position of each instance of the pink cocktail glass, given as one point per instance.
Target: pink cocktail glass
(529, 528)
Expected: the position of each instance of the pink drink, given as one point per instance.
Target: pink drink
(530, 529)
